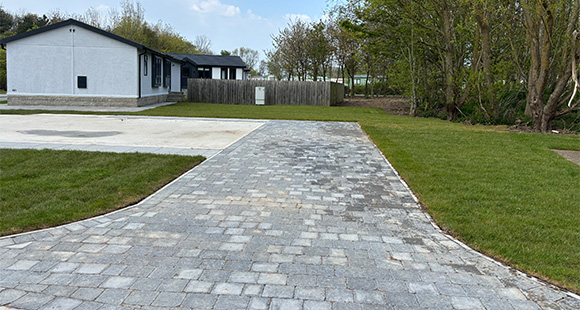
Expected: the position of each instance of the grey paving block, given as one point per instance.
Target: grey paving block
(31, 301)
(228, 288)
(310, 293)
(168, 299)
(232, 302)
(118, 282)
(113, 296)
(301, 215)
(199, 301)
(9, 295)
(317, 305)
(199, 287)
(66, 304)
(258, 303)
(278, 291)
(285, 304)
(85, 293)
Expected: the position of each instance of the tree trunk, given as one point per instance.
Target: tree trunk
(482, 17)
(448, 64)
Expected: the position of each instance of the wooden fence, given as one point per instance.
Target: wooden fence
(277, 92)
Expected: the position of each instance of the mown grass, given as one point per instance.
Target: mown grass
(43, 188)
(505, 194)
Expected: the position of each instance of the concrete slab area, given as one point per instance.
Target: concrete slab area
(162, 135)
(296, 215)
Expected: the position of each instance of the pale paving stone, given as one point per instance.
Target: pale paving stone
(228, 289)
(199, 287)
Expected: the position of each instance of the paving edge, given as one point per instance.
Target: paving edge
(144, 200)
(126, 208)
(463, 245)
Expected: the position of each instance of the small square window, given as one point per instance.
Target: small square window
(81, 81)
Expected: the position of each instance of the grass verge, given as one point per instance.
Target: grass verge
(43, 188)
(505, 194)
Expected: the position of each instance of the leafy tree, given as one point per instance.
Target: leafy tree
(6, 21)
(225, 53)
(274, 64)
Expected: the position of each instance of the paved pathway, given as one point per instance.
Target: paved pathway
(296, 215)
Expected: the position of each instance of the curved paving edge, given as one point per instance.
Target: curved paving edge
(549, 285)
(295, 215)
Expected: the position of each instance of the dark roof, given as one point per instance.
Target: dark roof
(211, 60)
(82, 25)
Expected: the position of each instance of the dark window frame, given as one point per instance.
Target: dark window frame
(166, 73)
(233, 73)
(145, 64)
(81, 81)
(156, 71)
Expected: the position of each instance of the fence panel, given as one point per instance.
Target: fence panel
(277, 92)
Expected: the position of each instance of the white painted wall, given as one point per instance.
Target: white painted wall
(216, 73)
(175, 76)
(49, 63)
(239, 74)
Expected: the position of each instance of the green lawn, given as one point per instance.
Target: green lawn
(505, 194)
(47, 188)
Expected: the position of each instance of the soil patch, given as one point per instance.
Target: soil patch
(573, 156)
(394, 105)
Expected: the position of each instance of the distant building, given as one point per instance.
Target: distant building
(72, 63)
(215, 67)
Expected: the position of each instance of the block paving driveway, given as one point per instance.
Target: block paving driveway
(296, 215)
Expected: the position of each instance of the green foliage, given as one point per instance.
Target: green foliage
(131, 24)
(463, 56)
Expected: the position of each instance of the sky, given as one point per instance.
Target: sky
(229, 24)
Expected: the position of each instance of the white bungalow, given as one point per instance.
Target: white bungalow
(72, 63)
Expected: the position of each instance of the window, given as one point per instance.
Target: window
(224, 75)
(204, 73)
(166, 73)
(232, 73)
(145, 64)
(185, 72)
(81, 81)
(156, 72)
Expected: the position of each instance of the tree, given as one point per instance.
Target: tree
(225, 53)
(203, 44)
(131, 24)
(248, 55)
(6, 21)
(551, 37)
(274, 64)
(318, 50)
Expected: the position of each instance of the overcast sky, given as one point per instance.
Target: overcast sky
(229, 24)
